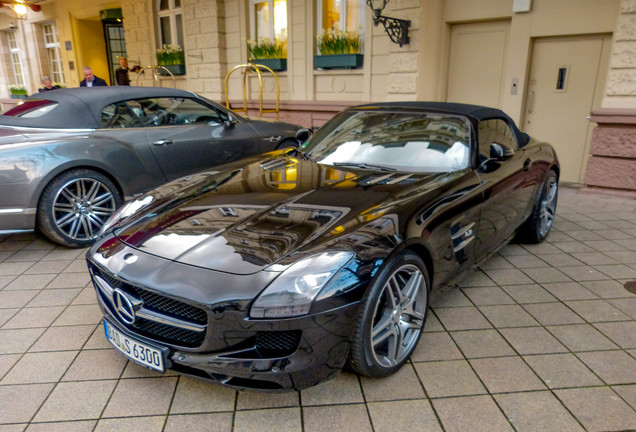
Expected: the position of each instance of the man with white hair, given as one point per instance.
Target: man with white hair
(91, 80)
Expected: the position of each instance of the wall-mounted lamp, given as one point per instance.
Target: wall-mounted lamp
(397, 29)
(21, 7)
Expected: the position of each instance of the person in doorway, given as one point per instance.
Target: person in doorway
(91, 80)
(122, 72)
(48, 85)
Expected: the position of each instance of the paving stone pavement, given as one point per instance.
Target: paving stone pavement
(539, 338)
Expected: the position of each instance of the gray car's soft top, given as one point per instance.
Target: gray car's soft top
(81, 108)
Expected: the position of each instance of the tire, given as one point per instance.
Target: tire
(392, 317)
(537, 227)
(75, 205)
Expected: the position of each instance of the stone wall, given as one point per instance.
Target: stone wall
(613, 160)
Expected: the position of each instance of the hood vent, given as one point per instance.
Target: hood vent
(388, 179)
(274, 164)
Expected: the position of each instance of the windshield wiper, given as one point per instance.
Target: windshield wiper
(364, 165)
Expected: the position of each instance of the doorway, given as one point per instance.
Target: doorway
(567, 76)
(477, 63)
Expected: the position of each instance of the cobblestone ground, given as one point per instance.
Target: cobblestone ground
(541, 337)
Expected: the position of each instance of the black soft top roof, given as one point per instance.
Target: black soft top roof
(476, 112)
(81, 108)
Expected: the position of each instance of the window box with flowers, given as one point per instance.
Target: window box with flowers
(172, 58)
(266, 52)
(17, 92)
(338, 50)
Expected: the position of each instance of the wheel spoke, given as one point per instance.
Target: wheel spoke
(92, 191)
(381, 331)
(66, 219)
(98, 201)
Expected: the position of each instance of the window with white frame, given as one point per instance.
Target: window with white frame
(345, 15)
(170, 22)
(52, 46)
(16, 59)
(268, 19)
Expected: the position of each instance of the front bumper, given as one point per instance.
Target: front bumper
(232, 350)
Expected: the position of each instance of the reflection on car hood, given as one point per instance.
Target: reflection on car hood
(243, 220)
(10, 136)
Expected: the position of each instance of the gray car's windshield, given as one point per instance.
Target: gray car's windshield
(403, 141)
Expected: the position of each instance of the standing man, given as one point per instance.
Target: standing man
(122, 72)
(91, 80)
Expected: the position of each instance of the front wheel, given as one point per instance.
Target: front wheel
(75, 205)
(537, 227)
(392, 317)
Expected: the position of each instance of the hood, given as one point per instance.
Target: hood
(243, 220)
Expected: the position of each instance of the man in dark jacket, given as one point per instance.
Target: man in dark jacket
(122, 72)
(91, 80)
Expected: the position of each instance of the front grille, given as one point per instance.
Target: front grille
(167, 305)
(277, 343)
(167, 333)
(162, 305)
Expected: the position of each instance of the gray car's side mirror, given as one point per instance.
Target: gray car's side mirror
(229, 122)
(303, 135)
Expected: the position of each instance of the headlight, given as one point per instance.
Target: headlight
(125, 211)
(292, 293)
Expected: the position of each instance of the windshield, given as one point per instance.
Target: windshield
(403, 141)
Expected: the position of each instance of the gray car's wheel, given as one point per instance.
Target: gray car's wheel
(392, 317)
(537, 227)
(75, 205)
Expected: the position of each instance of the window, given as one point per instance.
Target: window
(170, 23)
(496, 131)
(345, 15)
(16, 60)
(160, 112)
(52, 46)
(268, 19)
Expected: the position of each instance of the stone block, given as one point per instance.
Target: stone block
(402, 83)
(626, 28)
(628, 6)
(615, 141)
(140, 8)
(206, 9)
(611, 173)
(403, 62)
(623, 55)
(621, 83)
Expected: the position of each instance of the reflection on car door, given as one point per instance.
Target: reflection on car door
(186, 137)
(508, 185)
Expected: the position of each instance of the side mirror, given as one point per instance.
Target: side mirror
(229, 122)
(303, 135)
(497, 151)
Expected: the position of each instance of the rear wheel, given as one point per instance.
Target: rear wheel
(75, 205)
(539, 224)
(392, 317)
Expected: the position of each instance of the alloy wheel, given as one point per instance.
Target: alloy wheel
(399, 315)
(548, 206)
(81, 207)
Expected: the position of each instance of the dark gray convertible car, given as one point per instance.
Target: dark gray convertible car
(69, 158)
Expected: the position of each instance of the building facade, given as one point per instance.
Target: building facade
(551, 65)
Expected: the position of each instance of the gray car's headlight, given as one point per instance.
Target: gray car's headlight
(125, 211)
(292, 293)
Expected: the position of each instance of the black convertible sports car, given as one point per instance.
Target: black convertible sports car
(68, 158)
(278, 270)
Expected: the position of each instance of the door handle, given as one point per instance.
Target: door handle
(530, 101)
(163, 142)
(526, 164)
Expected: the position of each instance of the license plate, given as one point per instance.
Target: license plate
(139, 352)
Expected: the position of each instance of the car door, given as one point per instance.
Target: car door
(508, 185)
(188, 136)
